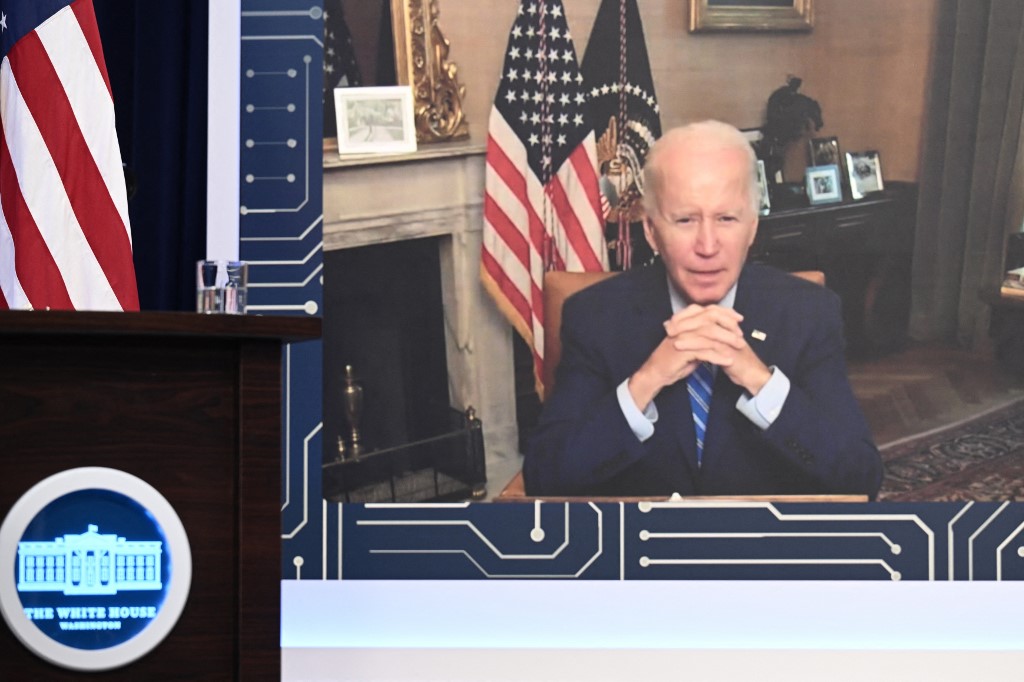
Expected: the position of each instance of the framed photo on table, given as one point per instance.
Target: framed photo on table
(753, 135)
(825, 151)
(377, 120)
(823, 184)
(865, 171)
(764, 204)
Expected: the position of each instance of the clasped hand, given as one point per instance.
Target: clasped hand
(696, 334)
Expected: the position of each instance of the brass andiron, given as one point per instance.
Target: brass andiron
(352, 396)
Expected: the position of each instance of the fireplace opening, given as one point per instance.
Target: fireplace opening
(384, 316)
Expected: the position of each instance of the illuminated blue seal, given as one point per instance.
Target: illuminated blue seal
(95, 568)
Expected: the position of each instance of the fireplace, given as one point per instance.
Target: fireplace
(430, 200)
(383, 316)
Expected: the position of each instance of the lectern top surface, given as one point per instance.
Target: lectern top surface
(285, 328)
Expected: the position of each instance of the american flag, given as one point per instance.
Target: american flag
(542, 207)
(65, 239)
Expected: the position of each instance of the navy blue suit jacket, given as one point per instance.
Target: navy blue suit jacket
(818, 444)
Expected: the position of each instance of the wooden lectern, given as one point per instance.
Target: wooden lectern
(192, 405)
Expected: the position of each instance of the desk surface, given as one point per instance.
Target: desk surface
(516, 492)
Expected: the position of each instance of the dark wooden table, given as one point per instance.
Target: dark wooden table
(864, 247)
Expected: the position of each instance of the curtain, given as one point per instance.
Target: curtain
(156, 54)
(972, 181)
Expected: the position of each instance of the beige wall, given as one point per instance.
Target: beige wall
(866, 62)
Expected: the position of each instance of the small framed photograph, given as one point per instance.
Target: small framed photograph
(865, 171)
(376, 120)
(753, 135)
(825, 151)
(823, 184)
(764, 205)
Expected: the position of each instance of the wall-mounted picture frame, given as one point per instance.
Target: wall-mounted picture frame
(751, 15)
(823, 184)
(764, 204)
(376, 120)
(865, 173)
(824, 151)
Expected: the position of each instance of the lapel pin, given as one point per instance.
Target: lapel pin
(759, 335)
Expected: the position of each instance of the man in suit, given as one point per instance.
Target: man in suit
(781, 417)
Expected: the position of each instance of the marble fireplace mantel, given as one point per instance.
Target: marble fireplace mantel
(438, 192)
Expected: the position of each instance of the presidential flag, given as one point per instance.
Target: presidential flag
(627, 121)
(542, 208)
(65, 239)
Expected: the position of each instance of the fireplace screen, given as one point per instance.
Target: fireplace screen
(449, 466)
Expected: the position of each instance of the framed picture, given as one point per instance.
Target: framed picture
(823, 184)
(751, 15)
(825, 151)
(376, 120)
(764, 205)
(865, 171)
(753, 135)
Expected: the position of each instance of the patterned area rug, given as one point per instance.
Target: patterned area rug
(980, 460)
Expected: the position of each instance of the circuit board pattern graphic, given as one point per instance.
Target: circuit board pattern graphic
(281, 233)
(685, 541)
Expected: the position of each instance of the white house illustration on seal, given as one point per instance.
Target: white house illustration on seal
(89, 564)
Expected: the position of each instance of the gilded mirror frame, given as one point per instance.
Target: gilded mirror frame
(706, 16)
(421, 59)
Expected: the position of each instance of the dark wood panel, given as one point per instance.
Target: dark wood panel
(258, 571)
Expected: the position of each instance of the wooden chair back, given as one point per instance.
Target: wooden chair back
(559, 286)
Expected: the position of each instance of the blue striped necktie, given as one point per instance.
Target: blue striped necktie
(698, 385)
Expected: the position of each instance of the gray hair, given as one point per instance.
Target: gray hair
(724, 134)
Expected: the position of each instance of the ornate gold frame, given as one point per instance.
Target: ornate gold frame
(421, 59)
(751, 16)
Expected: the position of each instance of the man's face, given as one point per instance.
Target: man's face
(704, 223)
